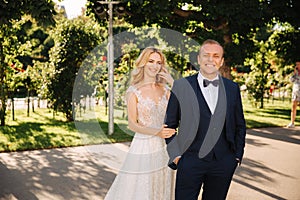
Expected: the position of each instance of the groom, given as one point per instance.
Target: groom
(207, 110)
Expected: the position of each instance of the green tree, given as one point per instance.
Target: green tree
(286, 41)
(74, 40)
(228, 21)
(272, 62)
(258, 77)
(32, 48)
(42, 10)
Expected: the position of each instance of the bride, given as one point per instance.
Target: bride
(145, 174)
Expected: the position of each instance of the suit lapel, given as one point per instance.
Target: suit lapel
(227, 92)
(195, 85)
(222, 102)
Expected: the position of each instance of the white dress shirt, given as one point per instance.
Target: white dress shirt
(210, 92)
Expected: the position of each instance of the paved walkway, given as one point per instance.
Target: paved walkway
(270, 170)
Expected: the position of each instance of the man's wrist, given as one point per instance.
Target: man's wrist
(176, 160)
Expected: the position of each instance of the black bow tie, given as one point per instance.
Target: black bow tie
(207, 82)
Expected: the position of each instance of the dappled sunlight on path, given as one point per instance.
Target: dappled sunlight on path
(66, 173)
(270, 169)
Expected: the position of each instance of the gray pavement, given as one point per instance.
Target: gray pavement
(270, 170)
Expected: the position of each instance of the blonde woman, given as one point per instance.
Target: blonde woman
(145, 174)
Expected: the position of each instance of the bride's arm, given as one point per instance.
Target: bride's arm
(133, 124)
(132, 117)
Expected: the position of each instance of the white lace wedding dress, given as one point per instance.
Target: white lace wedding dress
(145, 174)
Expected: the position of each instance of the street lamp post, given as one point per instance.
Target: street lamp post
(110, 61)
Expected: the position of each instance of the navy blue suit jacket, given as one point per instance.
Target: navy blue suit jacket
(183, 112)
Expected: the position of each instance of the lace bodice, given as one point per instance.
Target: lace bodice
(150, 113)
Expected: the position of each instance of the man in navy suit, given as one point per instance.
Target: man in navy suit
(209, 144)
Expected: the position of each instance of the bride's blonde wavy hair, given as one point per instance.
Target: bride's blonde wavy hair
(137, 74)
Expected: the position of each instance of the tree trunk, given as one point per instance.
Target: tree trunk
(32, 104)
(2, 84)
(28, 103)
(225, 72)
(13, 108)
(225, 69)
(3, 104)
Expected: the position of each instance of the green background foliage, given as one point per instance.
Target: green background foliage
(41, 51)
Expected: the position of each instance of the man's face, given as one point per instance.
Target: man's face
(210, 59)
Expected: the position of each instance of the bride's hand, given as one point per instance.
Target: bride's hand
(166, 132)
(167, 76)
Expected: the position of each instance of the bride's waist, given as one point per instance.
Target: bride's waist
(142, 135)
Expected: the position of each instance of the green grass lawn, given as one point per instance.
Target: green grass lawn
(275, 113)
(42, 130)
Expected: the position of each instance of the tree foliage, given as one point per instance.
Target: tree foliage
(264, 33)
(33, 45)
(286, 41)
(42, 10)
(258, 77)
(11, 11)
(73, 42)
(228, 21)
(270, 66)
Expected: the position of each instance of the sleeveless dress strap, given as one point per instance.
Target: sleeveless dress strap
(135, 91)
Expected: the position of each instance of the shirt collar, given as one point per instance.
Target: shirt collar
(201, 77)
